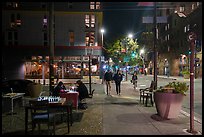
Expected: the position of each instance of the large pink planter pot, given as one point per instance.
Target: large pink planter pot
(168, 105)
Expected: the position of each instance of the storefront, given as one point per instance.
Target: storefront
(67, 67)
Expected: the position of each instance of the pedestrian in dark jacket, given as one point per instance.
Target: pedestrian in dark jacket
(83, 93)
(118, 77)
(108, 76)
(82, 90)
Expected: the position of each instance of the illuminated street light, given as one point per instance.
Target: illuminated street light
(102, 32)
(142, 57)
(130, 35)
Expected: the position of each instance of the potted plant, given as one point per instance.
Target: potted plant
(168, 99)
(186, 74)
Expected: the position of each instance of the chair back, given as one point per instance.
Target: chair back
(39, 109)
(152, 86)
(71, 97)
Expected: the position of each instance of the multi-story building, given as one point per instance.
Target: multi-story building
(186, 18)
(172, 43)
(26, 39)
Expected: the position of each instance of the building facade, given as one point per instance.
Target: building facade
(172, 42)
(26, 39)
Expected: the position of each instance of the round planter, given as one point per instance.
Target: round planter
(35, 89)
(168, 105)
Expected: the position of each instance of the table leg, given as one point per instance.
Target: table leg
(68, 119)
(26, 120)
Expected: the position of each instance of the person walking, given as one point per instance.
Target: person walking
(108, 79)
(134, 79)
(118, 77)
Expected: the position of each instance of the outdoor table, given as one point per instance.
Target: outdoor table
(62, 103)
(13, 96)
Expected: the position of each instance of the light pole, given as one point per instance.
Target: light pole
(102, 32)
(89, 52)
(51, 48)
(142, 57)
(155, 43)
(126, 64)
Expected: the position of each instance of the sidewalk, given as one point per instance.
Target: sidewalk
(114, 115)
(124, 115)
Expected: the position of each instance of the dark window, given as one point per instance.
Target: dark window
(12, 18)
(15, 35)
(10, 35)
(16, 43)
(45, 36)
(45, 43)
(10, 43)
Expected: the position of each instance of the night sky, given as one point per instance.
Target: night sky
(121, 18)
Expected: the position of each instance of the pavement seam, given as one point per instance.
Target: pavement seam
(150, 122)
(188, 115)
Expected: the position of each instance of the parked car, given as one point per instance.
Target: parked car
(17, 85)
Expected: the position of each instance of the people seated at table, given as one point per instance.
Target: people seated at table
(83, 92)
(59, 88)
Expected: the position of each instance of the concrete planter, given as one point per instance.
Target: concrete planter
(168, 105)
(35, 89)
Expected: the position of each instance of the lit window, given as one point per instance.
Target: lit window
(12, 4)
(193, 6)
(18, 20)
(45, 22)
(168, 37)
(92, 21)
(87, 21)
(98, 5)
(71, 38)
(92, 5)
(92, 38)
(198, 3)
(165, 27)
(185, 29)
(188, 27)
(181, 9)
(87, 38)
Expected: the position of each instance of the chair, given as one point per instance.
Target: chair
(40, 114)
(147, 93)
(91, 94)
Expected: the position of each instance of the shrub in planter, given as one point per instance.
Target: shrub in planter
(168, 99)
(186, 73)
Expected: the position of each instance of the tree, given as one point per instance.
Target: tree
(121, 48)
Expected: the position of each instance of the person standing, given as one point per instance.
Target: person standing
(118, 77)
(108, 79)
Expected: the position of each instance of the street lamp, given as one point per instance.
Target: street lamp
(102, 32)
(126, 64)
(130, 35)
(142, 57)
